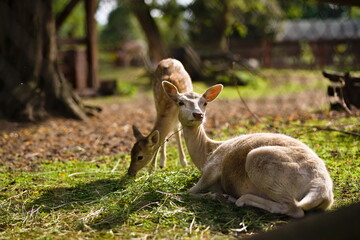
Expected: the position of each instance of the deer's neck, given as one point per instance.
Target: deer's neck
(199, 145)
(165, 124)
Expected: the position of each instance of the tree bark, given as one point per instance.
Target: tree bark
(90, 9)
(148, 24)
(31, 84)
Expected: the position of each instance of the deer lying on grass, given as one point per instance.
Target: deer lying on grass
(270, 171)
(146, 147)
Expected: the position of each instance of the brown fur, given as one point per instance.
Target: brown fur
(145, 149)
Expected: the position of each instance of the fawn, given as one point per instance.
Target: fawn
(146, 147)
(270, 171)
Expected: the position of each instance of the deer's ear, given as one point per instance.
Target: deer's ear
(137, 134)
(213, 92)
(171, 90)
(153, 138)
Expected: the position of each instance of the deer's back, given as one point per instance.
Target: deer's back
(173, 71)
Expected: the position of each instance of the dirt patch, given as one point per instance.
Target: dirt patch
(24, 146)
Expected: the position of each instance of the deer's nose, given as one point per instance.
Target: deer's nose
(131, 172)
(198, 116)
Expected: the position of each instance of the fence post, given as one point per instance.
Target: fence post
(90, 8)
(266, 52)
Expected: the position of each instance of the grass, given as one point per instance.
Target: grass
(77, 200)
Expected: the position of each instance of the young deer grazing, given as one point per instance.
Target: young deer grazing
(270, 171)
(146, 147)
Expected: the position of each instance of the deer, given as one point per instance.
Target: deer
(146, 147)
(270, 171)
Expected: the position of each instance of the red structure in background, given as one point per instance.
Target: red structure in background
(328, 42)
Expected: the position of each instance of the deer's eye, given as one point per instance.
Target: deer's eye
(139, 158)
(205, 103)
(181, 103)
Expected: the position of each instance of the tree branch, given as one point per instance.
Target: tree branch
(337, 130)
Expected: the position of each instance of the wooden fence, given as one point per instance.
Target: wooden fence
(300, 54)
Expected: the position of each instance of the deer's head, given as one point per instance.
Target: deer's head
(144, 150)
(191, 105)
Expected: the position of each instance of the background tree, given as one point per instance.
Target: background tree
(142, 12)
(121, 26)
(208, 23)
(31, 85)
(298, 9)
(172, 22)
(212, 21)
(74, 24)
(255, 19)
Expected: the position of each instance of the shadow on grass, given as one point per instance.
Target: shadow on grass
(226, 217)
(79, 196)
(218, 216)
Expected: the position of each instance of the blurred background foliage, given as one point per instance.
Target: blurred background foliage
(74, 25)
(202, 22)
(121, 26)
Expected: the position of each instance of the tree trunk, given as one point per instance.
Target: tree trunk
(142, 13)
(31, 84)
